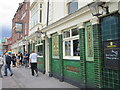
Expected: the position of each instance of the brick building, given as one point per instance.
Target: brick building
(21, 18)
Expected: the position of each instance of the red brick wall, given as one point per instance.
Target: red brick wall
(21, 17)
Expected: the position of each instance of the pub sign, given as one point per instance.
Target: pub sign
(112, 54)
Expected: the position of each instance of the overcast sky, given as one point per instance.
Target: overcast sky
(7, 11)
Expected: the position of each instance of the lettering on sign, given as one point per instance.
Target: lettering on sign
(112, 54)
(73, 69)
(55, 46)
(89, 40)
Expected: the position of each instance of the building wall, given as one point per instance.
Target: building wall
(21, 16)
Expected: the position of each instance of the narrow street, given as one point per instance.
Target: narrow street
(22, 78)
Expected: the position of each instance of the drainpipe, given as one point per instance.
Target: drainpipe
(47, 13)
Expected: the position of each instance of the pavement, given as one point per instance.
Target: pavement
(22, 78)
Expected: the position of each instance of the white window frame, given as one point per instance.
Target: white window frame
(71, 38)
(36, 48)
(68, 2)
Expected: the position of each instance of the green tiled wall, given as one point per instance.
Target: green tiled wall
(82, 55)
(110, 27)
(70, 74)
(97, 54)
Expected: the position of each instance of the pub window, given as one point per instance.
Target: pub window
(40, 16)
(67, 34)
(72, 6)
(71, 46)
(40, 5)
(76, 48)
(40, 50)
(67, 48)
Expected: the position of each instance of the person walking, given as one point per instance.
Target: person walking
(25, 59)
(33, 63)
(7, 65)
(1, 64)
(18, 57)
(13, 60)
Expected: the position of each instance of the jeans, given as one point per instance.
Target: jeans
(7, 67)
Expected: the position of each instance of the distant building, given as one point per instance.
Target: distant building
(20, 27)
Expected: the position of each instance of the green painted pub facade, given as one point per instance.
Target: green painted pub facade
(85, 54)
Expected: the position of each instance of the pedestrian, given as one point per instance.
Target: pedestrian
(21, 58)
(18, 57)
(25, 59)
(7, 65)
(1, 64)
(13, 60)
(33, 63)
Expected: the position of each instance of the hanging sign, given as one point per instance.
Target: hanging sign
(112, 54)
(18, 27)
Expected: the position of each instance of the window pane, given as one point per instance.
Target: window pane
(40, 50)
(40, 5)
(74, 32)
(67, 48)
(66, 34)
(76, 48)
(40, 16)
(72, 6)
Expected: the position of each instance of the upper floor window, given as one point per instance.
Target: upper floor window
(72, 6)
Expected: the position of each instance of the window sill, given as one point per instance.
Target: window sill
(72, 57)
(40, 56)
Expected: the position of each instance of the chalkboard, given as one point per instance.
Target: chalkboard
(112, 54)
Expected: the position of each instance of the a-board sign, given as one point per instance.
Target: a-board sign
(112, 54)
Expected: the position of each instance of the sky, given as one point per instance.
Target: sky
(7, 11)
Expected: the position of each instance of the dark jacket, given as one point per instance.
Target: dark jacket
(8, 59)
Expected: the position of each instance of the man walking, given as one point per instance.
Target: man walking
(33, 62)
(7, 65)
(26, 58)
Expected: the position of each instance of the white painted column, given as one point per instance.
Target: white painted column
(47, 53)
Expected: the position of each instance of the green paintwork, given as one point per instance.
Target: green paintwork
(70, 74)
(55, 62)
(50, 56)
(90, 74)
(89, 66)
(41, 60)
(40, 66)
(55, 66)
(61, 57)
(43, 56)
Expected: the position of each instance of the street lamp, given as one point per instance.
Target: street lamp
(39, 33)
(98, 7)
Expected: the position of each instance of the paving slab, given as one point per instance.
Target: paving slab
(22, 78)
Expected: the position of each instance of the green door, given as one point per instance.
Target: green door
(89, 66)
(55, 62)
